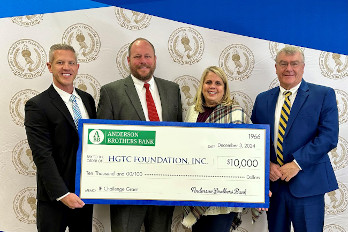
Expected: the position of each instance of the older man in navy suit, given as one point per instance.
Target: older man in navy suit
(50, 123)
(303, 118)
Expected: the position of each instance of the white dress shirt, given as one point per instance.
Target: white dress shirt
(65, 97)
(278, 109)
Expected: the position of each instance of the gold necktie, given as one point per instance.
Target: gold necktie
(283, 120)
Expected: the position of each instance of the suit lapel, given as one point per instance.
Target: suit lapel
(163, 98)
(58, 102)
(271, 105)
(134, 98)
(300, 99)
(86, 103)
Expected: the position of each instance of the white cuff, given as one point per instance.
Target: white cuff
(60, 198)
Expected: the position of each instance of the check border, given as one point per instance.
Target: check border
(173, 124)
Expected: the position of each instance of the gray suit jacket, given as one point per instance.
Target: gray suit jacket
(119, 100)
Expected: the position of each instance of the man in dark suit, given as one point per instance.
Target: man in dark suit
(126, 100)
(50, 123)
(300, 168)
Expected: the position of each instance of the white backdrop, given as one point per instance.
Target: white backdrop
(101, 37)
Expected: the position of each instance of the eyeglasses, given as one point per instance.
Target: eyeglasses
(294, 64)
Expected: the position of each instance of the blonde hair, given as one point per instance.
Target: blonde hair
(199, 98)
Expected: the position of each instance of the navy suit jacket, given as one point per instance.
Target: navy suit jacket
(311, 132)
(53, 139)
(119, 100)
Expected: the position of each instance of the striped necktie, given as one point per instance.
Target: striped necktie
(283, 120)
(76, 110)
(151, 107)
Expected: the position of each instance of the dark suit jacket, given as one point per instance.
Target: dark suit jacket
(119, 100)
(54, 140)
(311, 132)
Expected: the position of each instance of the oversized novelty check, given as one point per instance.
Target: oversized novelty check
(168, 163)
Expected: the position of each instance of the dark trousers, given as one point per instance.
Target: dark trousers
(306, 213)
(54, 216)
(214, 223)
(129, 218)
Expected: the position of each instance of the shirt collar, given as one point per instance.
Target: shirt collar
(140, 84)
(292, 90)
(64, 95)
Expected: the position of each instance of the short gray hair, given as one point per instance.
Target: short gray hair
(56, 47)
(290, 50)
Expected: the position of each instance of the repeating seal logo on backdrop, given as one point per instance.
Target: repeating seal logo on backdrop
(188, 88)
(342, 105)
(121, 61)
(243, 100)
(336, 201)
(24, 205)
(333, 65)
(27, 59)
(97, 225)
(22, 159)
(27, 20)
(274, 83)
(275, 47)
(85, 41)
(237, 60)
(132, 20)
(89, 84)
(17, 104)
(186, 45)
(333, 228)
(339, 155)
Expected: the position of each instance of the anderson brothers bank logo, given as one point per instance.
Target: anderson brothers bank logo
(237, 61)
(24, 205)
(186, 45)
(333, 65)
(27, 59)
(132, 20)
(17, 104)
(121, 137)
(85, 40)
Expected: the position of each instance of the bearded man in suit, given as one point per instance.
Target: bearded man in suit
(125, 99)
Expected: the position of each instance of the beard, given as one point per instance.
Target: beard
(142, 77)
